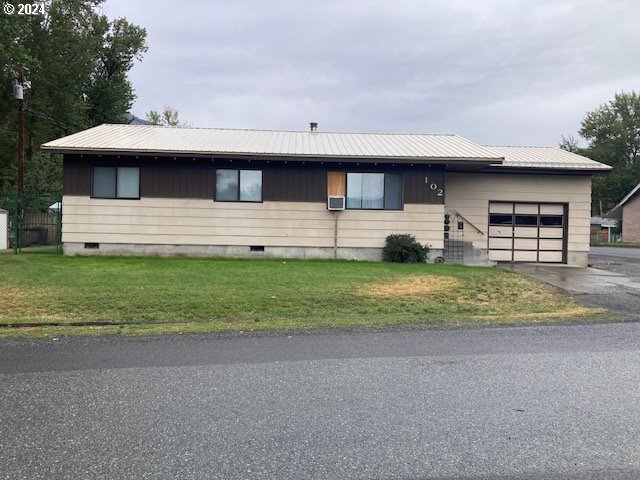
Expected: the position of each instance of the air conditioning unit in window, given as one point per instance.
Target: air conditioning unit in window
(335, 202)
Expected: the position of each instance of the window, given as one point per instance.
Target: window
(527, 220)
(374, 191)
(551, 220)
(116, 182)
(498, 219)
(393, 191)
(238, 185)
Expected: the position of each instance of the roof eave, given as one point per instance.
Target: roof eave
(616, 210)
(275, 156)
(553, 168)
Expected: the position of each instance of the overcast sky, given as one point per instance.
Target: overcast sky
(503, 72)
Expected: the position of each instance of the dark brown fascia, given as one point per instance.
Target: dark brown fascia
(477, 162)
(544, 171)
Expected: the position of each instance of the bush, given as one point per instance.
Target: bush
(404, 248)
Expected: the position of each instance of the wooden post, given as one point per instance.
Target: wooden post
(335, 236)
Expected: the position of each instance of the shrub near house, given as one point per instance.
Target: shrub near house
(404, 248)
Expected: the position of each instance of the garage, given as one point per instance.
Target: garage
(527, 232)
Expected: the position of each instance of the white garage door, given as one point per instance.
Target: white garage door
(527, 232)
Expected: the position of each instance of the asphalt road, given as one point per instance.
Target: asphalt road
(622, 252)
(616, 259)
(494, 403)
(619, 297)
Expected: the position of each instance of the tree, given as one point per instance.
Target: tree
(168, 118)
(613, 133)
(570, 144)
(77, 61)
(109, 94)
(613, 130)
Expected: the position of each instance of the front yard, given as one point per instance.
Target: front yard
(159, 295)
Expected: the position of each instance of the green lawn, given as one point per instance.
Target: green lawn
(615, 244)
(212, 294)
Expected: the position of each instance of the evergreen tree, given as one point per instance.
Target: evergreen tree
(77, 62)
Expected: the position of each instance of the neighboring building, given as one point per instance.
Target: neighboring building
(604, 229)
(629, 211)
(158, 190)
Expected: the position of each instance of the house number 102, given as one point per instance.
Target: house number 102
(434, 186)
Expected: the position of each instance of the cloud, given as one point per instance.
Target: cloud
(499, 70)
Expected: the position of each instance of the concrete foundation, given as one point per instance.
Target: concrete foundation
(465, 253)
(578, 259)
(366, 254)
(72, 248)
(471, 256)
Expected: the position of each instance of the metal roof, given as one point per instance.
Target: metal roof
(545, 157)
(216, 141)
(604, 221)
(151, 139)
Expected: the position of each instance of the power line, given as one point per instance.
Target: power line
(67, 129)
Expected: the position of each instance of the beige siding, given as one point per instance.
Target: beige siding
(469, 194)
(631, 220)
(204, 222)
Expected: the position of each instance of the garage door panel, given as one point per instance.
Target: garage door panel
(501, 208)
(551, 209)
(501, 232)
(551, 232)
(522, 256)
(525, 232)
(531, 208)
(501, 243)
(551, 244)
(500, 255)
(525, 243)
(551, 257)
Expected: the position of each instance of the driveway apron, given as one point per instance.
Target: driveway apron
(592, 287)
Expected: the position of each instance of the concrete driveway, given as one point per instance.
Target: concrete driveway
(614, 284)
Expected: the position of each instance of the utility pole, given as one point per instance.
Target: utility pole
(19, 94)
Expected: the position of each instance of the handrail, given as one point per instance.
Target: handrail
(463, 218)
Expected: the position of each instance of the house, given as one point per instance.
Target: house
(149, 190)
(629, 211)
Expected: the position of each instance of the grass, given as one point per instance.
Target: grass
(615, 244)
(160, 295)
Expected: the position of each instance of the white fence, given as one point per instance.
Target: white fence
(4, 227)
